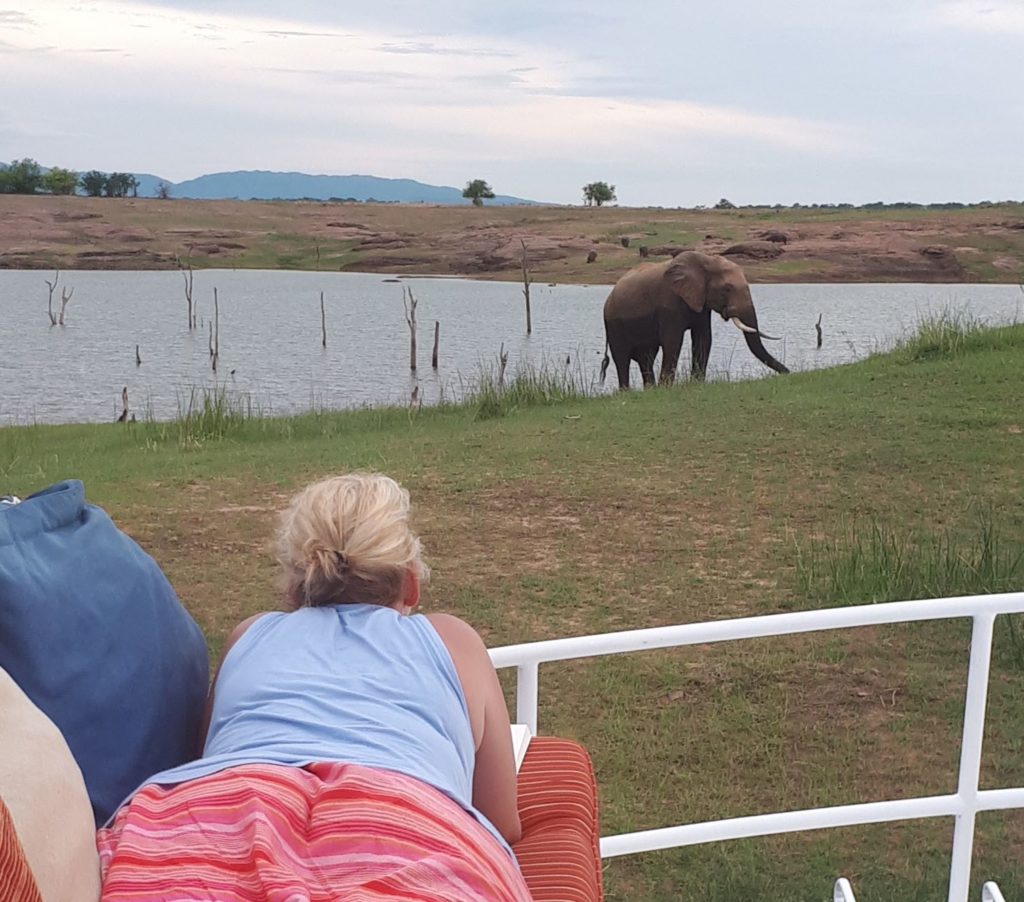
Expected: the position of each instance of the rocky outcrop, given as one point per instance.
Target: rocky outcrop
(753, 250)
(773, 235)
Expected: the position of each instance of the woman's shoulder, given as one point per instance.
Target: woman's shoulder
(457, 635)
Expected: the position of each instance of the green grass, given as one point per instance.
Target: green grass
(875, 563)
(497, 394)
(950, 333)
(547, 513)
(206, 414)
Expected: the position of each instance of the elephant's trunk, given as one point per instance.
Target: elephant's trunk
(747, 324)
(758, 350)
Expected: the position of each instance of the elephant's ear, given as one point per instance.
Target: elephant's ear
(688, 281)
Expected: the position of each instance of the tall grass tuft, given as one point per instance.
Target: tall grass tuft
(206, 414)
(870, 563)
(528, 386)
(952, 333)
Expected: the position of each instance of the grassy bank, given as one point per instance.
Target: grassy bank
(691, 503)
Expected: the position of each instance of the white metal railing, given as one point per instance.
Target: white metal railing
(963, 805)
(843, 892)
(990, 892)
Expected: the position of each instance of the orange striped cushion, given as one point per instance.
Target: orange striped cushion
(559, 854)
(16, 881)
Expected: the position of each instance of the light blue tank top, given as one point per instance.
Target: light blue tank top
(355, 683)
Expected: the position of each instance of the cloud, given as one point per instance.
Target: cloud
(14, 17)
(274, 93)
(1002, 18)
(280, 33)
(25, 50)
(424, 47)
(393, 79)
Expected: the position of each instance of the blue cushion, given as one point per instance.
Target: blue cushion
(92, 631)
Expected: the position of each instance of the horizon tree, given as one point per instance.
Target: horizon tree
(476, 191)
(23, 176)
(60, 181)
(118, 184)
(597, 193)
(93, 182)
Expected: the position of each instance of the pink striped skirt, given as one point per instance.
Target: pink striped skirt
(285, 834)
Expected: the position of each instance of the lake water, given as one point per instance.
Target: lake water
(270, 339)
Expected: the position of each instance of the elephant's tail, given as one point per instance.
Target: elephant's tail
(604, 363)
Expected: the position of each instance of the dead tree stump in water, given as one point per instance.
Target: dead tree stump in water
(817, 326)
(49, 304)
(124, 406)
(138, 359)
(409, 302)
(65, 296)
(503, 361)
(186, 274)
(215, 329)
(437, 340)
(526, 288)
(323, 315)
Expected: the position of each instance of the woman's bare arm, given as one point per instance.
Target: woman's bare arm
(494, 776)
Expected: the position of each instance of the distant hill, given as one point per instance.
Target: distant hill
(262, 185)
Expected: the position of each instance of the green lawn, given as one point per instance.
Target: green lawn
(698, 502)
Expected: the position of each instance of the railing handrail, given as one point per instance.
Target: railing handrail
(761, 626)
(963, 805)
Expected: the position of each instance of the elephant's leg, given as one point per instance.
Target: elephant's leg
(670, 349)
(646, 360)
(622, 365)
(700, 346)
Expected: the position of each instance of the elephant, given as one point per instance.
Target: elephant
(654, 304)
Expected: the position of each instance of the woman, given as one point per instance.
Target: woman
(355, 750)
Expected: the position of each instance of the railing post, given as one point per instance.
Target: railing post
(990, 892)
(970, 756)
(843, 892)
(527, 692)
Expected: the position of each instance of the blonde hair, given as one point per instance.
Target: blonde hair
(347, 540)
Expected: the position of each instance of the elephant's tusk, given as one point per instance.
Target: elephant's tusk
(743, 327)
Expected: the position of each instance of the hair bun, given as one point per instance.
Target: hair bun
(331, 563)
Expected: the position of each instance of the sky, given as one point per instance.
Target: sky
(675, 103)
